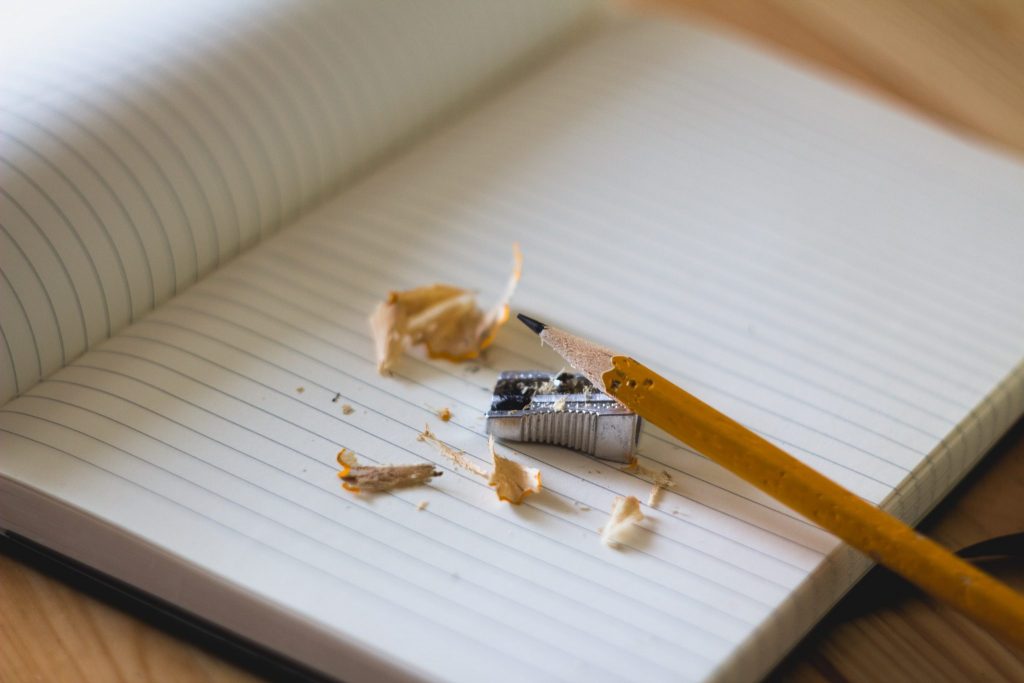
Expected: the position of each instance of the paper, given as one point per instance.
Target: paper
(147, 143)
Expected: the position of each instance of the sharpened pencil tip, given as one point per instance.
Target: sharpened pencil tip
(535, 325)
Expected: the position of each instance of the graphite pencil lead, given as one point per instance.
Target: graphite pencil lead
(535, 325)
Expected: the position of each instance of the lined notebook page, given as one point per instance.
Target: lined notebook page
(144, 144)
(840, 278)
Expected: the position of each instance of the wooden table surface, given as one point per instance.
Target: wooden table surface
(958, 62)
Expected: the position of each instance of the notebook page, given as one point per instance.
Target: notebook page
(774, 270)
(144, 144)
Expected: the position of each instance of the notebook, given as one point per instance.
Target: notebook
(203, 204)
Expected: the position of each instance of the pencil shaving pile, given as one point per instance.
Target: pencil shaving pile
(512, 482)
(550, 385)
(445, 319)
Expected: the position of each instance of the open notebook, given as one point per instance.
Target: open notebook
(839, 276)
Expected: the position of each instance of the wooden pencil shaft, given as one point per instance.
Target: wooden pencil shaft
(881, 536)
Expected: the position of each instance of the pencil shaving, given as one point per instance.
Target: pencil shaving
(347, 458)
(458, 458)
(662, 481)
(551, 385)
(445, 319)
(654, 497)
(625, 513)
(376, 478)
(511, 481)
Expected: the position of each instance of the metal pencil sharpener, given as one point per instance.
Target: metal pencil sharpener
(563, 410)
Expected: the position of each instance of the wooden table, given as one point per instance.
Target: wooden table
(961, 64)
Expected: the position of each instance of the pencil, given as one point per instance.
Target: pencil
(867, 528)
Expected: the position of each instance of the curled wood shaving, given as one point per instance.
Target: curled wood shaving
(625, 513)
(375, 478)
(511, 481)
(347, 458)
(443, 318)
(458, 458)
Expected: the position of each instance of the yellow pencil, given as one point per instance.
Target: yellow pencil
(877, 534)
